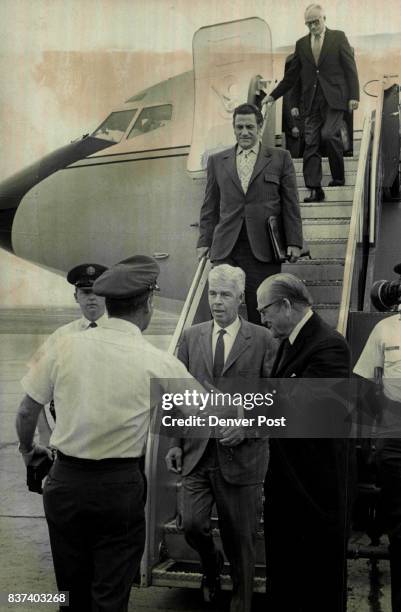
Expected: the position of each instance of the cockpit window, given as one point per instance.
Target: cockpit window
(114, 127)
(151, 118)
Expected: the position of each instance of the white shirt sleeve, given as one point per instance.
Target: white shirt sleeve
(38, 383)
(371, 357)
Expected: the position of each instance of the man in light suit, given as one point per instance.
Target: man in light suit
(308, 485)
(324, 62)
(227, 469)
(246, 185)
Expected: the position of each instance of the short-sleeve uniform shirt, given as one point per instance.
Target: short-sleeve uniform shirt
(100, 381)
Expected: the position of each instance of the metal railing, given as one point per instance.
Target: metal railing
(355, 232)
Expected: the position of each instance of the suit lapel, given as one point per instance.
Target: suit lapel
(327, 42)
(302, 338)
(264, 158)
(307, 48)
(206, 348)
(242, 341)
(230, 164)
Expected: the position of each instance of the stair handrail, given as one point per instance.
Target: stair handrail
(375, 166)
(185, 320)
(355, 231)
(191, 303)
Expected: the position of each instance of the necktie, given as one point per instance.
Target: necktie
(92, 324)
(245, 167)
(218, 363)
(316, 47)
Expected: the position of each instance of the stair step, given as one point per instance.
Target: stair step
(320, 229)
(350, 164)
(327, 210)
(328, 292)
(327, 249)
(188, 575)
(333, 194)
(350, 179)
(319, 270)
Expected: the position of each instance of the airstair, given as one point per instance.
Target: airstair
(341, 242)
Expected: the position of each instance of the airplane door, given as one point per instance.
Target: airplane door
(226, 57)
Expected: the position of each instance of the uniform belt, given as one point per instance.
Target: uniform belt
(97, 463)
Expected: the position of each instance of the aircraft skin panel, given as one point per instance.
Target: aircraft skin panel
(108, 212)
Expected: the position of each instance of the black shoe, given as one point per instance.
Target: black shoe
(316, 195)
(337, 183)
(211, 585)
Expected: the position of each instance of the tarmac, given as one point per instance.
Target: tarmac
(26, 563)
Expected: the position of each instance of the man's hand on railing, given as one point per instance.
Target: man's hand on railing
(268, 101)
(202, 252)
(352, 105)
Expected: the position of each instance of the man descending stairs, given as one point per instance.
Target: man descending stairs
(325, 228)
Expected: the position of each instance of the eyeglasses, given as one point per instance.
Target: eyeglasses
(262, 310)
(314, 22)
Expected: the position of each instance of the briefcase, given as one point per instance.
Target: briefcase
(276, 235)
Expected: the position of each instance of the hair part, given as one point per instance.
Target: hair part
(122, 307)
(286, 286)
(248, 109)
(225, 272)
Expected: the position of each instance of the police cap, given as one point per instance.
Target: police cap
(128, 278)
(85, 274)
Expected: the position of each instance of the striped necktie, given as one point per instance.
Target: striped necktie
(246, 163)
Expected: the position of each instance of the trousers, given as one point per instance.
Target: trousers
(322, 126)
(95, 516)
(238, 509)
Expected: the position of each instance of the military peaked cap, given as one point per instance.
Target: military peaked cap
(128, 278)
(85, 274)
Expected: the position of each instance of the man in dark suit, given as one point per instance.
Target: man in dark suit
(307, 485)
(324, 61)
(227, 469)
(247, 184)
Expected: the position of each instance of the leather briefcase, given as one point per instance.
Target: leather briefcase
(276, 235)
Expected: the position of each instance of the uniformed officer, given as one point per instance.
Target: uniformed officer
(92, 308)
(100, 382)
(383, 350)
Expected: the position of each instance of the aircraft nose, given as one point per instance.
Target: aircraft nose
(13, 189)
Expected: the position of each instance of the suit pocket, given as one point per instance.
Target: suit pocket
(272, 178)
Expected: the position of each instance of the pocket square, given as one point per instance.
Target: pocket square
(293, 375)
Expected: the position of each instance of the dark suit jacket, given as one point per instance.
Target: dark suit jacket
(336, 72)
(320, 469)
(272, 190)
(251, 357)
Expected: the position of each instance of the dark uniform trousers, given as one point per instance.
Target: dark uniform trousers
(239, 511)
(95, 516)
(322, 125)
(256, 271)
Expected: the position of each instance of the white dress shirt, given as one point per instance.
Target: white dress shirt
(228, 338)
